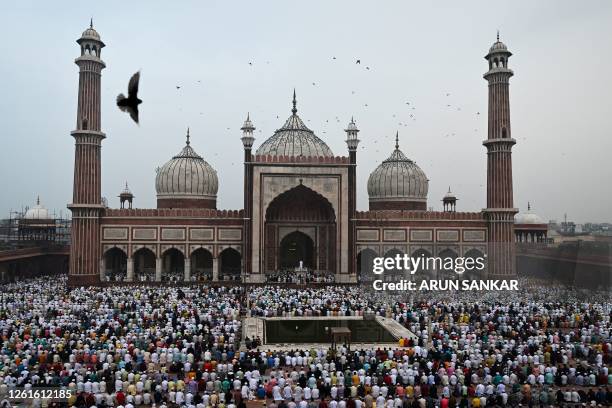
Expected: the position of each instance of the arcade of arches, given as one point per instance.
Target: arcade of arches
(293, 247)
(172, 266)
(300, 226)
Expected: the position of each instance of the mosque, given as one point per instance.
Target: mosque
(299, 206)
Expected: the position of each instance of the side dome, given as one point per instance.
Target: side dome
(294, 139)
(398, 184)
(187, 181)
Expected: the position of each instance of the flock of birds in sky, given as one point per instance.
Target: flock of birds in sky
(131, 103)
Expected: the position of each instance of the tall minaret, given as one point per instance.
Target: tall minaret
(247, 142)
(500, 209)
(352, 142)
(86, 207)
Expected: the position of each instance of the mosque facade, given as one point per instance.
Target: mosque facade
(299, 209)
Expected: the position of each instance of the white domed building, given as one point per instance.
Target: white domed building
(37, 224)
(530, 227)
(38, 213)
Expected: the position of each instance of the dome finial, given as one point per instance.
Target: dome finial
(528, 206)
(91, 23)
(396, 140)
(449, 189)
(497, 35)
(37, 200)
(294, 110)
(187, 136)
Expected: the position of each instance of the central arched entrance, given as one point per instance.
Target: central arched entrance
(300, 225)
(295, 248)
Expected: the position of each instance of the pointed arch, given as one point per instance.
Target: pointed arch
(173, 265)
(201, 265)
(115, 264)
(230, 264)
(300, 202)
(144, 264)
(296, 247)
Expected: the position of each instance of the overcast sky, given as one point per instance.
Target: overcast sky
(417, 52)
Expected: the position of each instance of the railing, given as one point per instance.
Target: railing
(20, 253)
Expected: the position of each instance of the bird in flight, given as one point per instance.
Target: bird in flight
(358, 61)
(178, 87)
(130, 104)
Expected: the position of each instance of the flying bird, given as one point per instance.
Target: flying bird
(358, 61)
(130, 104)
(178, 87)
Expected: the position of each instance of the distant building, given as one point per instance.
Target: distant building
(530, 227)
(35, 226)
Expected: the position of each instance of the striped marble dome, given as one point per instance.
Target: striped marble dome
(398, 179)
(294, 139)
(187, 176)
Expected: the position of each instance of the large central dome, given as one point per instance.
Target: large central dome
(294, 139)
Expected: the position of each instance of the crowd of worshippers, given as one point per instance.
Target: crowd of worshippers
(182, 347)
(299, 277)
